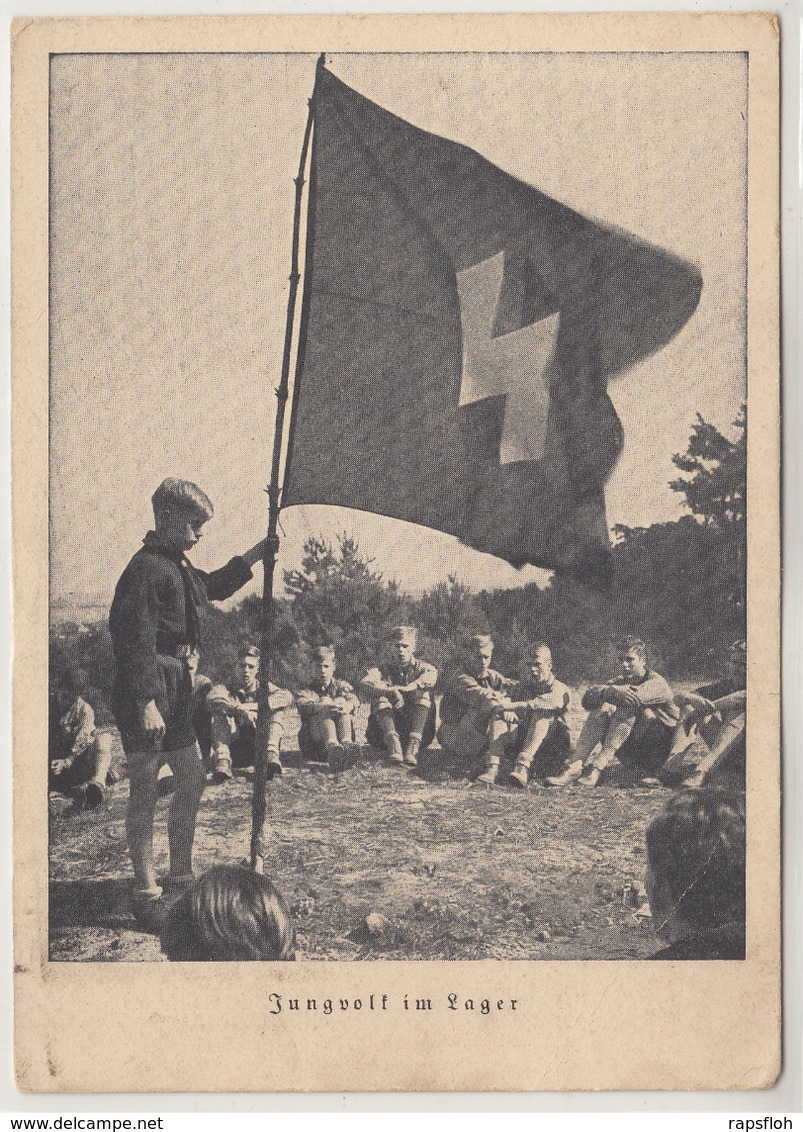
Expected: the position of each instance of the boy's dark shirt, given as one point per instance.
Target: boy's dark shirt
(156, 609)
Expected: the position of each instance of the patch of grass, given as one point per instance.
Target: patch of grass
(458, 871)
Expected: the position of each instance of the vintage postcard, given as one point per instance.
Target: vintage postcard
(396, 553)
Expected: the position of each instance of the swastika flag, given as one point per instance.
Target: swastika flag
(457, 337)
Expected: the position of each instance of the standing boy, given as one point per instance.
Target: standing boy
(402, 706)
(633, 719)
(155, 625)
(234, 720)
(327, 712)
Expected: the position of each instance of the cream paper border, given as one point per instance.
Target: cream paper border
(578, 1025)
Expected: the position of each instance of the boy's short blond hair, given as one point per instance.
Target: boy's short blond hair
(181, 495)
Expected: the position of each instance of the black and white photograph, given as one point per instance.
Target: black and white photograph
(398, 601)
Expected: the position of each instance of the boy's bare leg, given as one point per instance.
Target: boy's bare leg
(189, 776)
(537, 731)
(220, 729)
(683, 737)
(275, 732)
(594, 730)
(729, 735)
(418, 721)
(496, 735)
(102, 758)
(143, 767)
(323, 733)
(344, 725)
(386, 724)
(620, 727)
(619, 730)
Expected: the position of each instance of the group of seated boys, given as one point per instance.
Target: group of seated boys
(488, 721)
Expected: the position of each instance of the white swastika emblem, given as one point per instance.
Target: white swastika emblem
(513, 364)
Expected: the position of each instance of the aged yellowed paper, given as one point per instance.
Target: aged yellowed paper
(547, 241)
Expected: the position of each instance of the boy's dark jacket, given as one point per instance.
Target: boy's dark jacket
(156, 610)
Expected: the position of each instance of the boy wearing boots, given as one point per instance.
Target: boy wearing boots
(633, 719)
(327, 712)
(400, 691)
(472, 726)
(155, 625)
(234, 720)
(80, 758)
(540, 702)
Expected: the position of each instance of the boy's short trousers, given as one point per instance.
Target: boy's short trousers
(175, 703)
(551, 756)
(649, 750)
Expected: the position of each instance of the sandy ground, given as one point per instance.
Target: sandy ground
(457, 870)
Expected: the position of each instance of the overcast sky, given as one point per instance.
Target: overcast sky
(171, 214)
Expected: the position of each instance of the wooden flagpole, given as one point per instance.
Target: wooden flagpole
(262, 777)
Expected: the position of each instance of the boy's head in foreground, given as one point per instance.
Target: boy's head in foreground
(696, 863)
(180, 510)
(229, 915)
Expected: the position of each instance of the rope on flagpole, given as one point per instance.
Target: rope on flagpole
(263, 773)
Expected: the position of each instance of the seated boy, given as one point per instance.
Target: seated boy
(695, 876)
(540, 703)
(229, 915)
(201, 715)
(327, 712)
(155, 625)
(471, 727)
(716, 713)
(400, 693)
(633, 719)
(80, 758)
(234, 719)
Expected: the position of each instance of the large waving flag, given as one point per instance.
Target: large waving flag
(458, 333)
